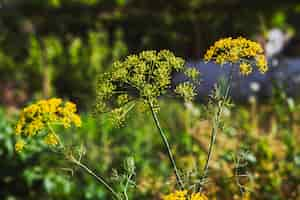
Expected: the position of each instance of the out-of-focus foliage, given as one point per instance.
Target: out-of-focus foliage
(266, 164)
(65, 68)
(57, 46)
(176, 25)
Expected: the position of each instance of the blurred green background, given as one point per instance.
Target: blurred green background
(57, 47)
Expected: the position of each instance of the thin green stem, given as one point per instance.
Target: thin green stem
(97, 177)
(126, 186)
(216, 124)
(166, 143)
(85, 168)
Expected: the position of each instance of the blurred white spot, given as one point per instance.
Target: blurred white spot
(276, 41)
(291, 103)
(192, 109)
(275, 62)
(296, 79)
(254, 86)
(226, 112)
(252, 99)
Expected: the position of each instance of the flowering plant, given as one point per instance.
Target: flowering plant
(38, 120)
(141, 80)
(241, 51)
(183, 195)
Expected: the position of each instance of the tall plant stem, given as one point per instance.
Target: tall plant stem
(166, 143)
(216, 124)
(97, 177)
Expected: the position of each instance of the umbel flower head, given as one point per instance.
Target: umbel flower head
(183, 195)
(38, 119)
(141, 78)
(240, 51)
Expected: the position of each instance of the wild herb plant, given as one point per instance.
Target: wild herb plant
(39, 120)
(142, 79)
(137, 83)
(239, 54)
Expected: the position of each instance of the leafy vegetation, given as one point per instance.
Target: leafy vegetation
(164, 148)
(269, 155)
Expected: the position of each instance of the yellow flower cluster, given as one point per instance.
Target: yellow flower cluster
(19, 145)
(183, 195)
(41, 115)
(245, 68)
(198, 196)
(51, 139)
(238, 51)
(177, 195)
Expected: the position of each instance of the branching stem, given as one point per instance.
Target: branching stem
(166, 143)
(216, 124)
(97, 177)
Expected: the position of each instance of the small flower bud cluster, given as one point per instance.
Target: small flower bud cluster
(141, 78)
